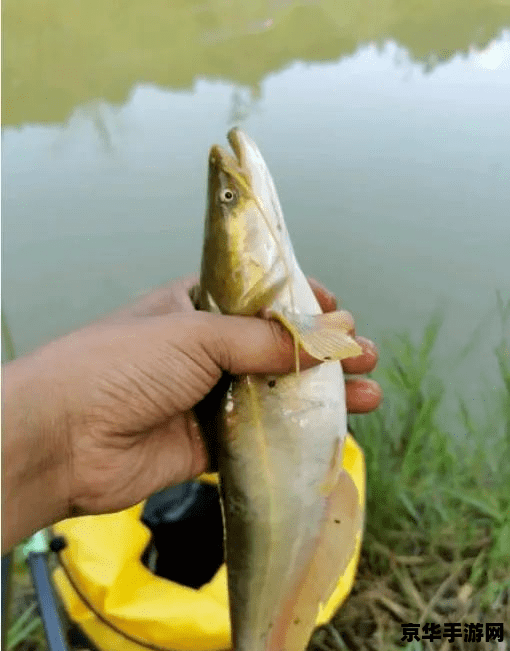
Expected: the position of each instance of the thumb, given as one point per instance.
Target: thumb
(244, 344)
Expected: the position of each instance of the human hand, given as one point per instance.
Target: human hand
(101, 418)
(362, 395)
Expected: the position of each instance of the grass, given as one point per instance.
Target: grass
(437, 542)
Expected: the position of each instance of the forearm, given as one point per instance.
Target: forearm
(34, 466)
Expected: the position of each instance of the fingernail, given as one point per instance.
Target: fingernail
(368, 344)
(372, 387)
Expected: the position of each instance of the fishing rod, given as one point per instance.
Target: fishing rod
(36, 555)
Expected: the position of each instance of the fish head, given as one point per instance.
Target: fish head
(244, 265)
(228, 188)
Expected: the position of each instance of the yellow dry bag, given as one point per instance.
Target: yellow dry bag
(109, 591)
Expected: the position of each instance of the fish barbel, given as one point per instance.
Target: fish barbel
(291, 512)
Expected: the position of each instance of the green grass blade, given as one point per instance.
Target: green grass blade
(26, 624)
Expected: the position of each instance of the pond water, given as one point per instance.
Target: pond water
(386, 129)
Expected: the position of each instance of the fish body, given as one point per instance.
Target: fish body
(291, 513)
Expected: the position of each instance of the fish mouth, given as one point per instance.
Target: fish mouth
(246, 151)
(244, 158)
(237, 140)
(222, 161)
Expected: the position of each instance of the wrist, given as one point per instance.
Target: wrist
(34, 450)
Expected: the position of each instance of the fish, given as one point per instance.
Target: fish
(291, 513)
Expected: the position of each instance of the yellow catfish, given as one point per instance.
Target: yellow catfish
(291, 512)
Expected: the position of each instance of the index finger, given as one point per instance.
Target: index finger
(171, 297)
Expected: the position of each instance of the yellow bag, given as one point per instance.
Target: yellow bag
(122, 606)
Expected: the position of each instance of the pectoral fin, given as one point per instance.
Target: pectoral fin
(335, 546)
(323, 336)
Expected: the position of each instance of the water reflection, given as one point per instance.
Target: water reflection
(58, 55)
(97, 117)
(244, 103)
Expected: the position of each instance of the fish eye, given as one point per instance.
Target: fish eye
(227, 195)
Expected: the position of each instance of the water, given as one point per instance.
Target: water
(388, 135)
